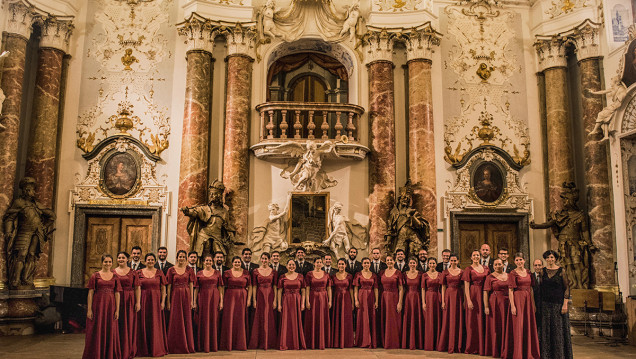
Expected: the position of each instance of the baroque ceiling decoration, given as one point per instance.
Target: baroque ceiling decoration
(402, 5)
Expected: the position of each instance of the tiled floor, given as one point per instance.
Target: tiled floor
(61, 346)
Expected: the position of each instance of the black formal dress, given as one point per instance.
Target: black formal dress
(304, 268)
(353, 267)
(376, 268)
(556, 342)
(167, 265)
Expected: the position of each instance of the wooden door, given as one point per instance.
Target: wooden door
(114, 234)
(497, 235)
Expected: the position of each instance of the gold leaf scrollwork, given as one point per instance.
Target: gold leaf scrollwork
(85, 141)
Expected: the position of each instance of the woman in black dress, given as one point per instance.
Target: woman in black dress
(555, 321)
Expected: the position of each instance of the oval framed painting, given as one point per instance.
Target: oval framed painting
(120, 175)
(488, 182)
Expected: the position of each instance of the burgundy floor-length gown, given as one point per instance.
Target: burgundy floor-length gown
(151, 329)
(366, 335)
(390, 319)
(342, 313)
(451, 336)
(317, 323)
(413, 319)
(433, 314)
(234, 323)
(207, 314)
(526, 339)
(127, 315)
(180, 336)
(498, 343)
(475, 319)
(102, 332)
(291, 335)
(264, 334)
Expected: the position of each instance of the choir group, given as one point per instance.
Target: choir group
(488, 308)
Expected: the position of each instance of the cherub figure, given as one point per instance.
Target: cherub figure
(306, 174)
(351, 22)
(266, 18)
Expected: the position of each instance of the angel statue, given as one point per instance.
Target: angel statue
(344, 232)
(266, 19)
(351, 22)
(272, 235)
(617, 93)
(306, 174)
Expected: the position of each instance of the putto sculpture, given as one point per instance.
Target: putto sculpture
(407, 229)
(209, 226)
(27, 225)
(306, 174)
(570, 227)
(272, 234)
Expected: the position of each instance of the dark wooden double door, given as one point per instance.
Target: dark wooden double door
(497, 235)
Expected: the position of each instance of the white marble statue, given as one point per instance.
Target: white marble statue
(2, 96)
(351, 21)
(272, 235)
(616, 93)
(338, 237)
(306, 173)
(266, 17)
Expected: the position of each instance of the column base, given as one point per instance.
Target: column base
(18, 311)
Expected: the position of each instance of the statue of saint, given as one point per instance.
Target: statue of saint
(272, 235)
(407, 229)
(570, 227)
(209, 226)
(338, 231)
(27, 225)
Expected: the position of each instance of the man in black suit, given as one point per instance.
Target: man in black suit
(276, 265)
(219, 262)
(537, 265)
(135, 261)
(302, 266)
(444, 264)
(353, 266)
(162, 262)
(400, 261)
(503, 255)
(377, 265)
(485, 259)
(328, 265)
(246, 262)
(422, 260)
(193, 259)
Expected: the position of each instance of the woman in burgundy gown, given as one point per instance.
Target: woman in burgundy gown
(102, 331)
(180, 280)
(498, 316)
(318, 302)
(451, 336)
(151, 299)
(474, 277)
(524, 325)
(366, 301)
(238, 296)
(342, 309)
(264, 282)
(432, 305)
(209, 295)
(413, 323)
(291, 303)
(391, 296)
(127, 315)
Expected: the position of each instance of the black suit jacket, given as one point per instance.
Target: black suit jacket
(382, 266)
(223, 268)
(141, 265)
(357, 267)
(509, 268)
(195, 269)
(165, 267)
(405, 267)
(422, 268)
(332, 271)
(440, 267)
(305, 268)
(249, 268)
(281, 269)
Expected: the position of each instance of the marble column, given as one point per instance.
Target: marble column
(421, 127)
(553, 63)
(43, 135)
(195, 138)
(17, 31)
(597, 178)
(382, 174)
(236, 159)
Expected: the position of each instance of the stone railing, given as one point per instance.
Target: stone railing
(283, 120)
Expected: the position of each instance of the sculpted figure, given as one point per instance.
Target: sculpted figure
(27, 225)
(616, 93)
(338, 231)
(407, 229)
(569, 226)
(352, 21)
(209, 226)
(272, 235)
(266, 17)
(306, 174)
(2, 96)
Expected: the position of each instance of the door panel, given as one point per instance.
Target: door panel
(136, 232)
(497, 235)
(102, 237)
(471, 236)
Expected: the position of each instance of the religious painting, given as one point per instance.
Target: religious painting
(488, 182)
(308, 217)
(120, 175)
(629, 71)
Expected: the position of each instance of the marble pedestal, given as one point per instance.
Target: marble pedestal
(18, 310)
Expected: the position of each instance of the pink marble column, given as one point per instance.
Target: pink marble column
(17, 31)
(597, 181)
(422, 143)
(382, 145)
(195, 139)
(236, 151)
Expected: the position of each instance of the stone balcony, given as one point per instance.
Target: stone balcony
(283, 122)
